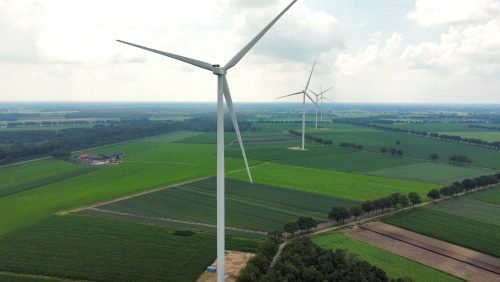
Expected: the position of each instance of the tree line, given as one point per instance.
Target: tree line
(465, 185)
(312, 138)
(30, 144)
(355, 146)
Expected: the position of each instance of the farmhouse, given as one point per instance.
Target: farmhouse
(109, 158)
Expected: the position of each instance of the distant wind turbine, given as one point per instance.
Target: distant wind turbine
(320, 98)
(222, 93)
(304, 93)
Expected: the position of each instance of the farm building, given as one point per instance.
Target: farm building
(109, 158)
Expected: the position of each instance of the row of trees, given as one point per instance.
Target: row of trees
(355, 146)
(466, 186)
(474, 141)
(341, 214)
(30, 144)
(484, 127)
(303, 224)
(312, 138)
(460, 159)
(392, 151)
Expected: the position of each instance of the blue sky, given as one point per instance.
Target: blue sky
(372, 51)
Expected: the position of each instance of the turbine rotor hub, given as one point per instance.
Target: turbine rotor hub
(217, 70)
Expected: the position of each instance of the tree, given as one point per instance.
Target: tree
(291, 227)
(468, 184)
(403, 200)
(434, 157)
(306, 223)
(368, 206)
(393, 151)
(383, 150)
(356, 211)
(379, 205)
(400, 152)
(492, 180)
(395, 199)
(398, 142)
(446, 191)
(339, 214)
(61, 154)
(434, 194)
(414, 198)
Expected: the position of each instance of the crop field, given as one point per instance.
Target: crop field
(488, 196)
(146, 166)
(437, 127)
(395, 266)
(207, 138)
(90, 248)
(249, 206)
(453, 227)
(337, 184)
(432, 172)
(413, 146)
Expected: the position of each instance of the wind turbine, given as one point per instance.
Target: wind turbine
(320, 97)
(222, 93)
(304, 93)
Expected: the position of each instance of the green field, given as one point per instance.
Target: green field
(249, 206)
(89, 248)
(488, 196)
(337, 184)
(432, 172)
(454, 225)
(413, 146)
(395, 266)
(147, 165)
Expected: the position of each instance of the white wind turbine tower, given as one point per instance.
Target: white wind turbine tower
(304, 93)
(320, 98)
(222, 93)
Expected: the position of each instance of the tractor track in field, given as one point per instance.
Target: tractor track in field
(176, 221)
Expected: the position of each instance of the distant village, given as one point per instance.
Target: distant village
(105, 159)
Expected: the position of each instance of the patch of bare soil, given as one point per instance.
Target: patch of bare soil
(235, 262)
(296, 149)
(458, 261)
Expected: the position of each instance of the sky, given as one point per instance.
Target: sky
(371, 51)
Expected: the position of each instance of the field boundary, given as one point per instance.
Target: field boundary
(41, 276)
(135, 195)
(177, 221)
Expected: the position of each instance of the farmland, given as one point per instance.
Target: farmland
(338, 184)
(467, 222)
(249, 206)
(90, 248)
(147, 165)
(394, 265)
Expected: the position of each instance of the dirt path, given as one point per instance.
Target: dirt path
(278, 253)
(136, 195)
(458, 261)
(235, 262)
(175, 220)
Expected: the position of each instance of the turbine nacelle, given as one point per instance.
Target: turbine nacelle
(218, 70)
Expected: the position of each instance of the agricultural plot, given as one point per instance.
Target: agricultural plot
(89, 248)
(432, 172)
(395, 266)
(413, 146)
(460, 129)
(146, 166)
(453, 227)
(488, 196)
(337, 184)
(249, 206)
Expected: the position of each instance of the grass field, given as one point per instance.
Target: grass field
(337, 184)
(413, 146)
(147, 165)
(89, 248)
(395, 266)
(249, 206)
(470, 233)
(432, 172)
(488, 196)
(469, 208)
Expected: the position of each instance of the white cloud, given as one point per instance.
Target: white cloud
(444, 12)
(471, 50)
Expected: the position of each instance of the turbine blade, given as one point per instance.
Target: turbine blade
(314, 92)
(310, 75)
(232, 113)
(324, 98)
(250, 44)
(314, 102)
(328, 90)
(297, 93)
(193, 62)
